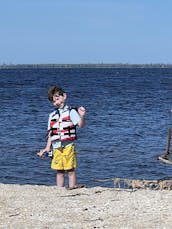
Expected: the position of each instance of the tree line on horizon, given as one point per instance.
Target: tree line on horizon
(101, 65)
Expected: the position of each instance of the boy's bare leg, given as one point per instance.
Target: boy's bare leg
(72, 178)
(60, 178)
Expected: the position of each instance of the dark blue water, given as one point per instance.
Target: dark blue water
(127, 123)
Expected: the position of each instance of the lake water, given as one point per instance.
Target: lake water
(127, 123)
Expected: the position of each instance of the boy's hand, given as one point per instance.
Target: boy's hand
(81, 111)
(41, 153)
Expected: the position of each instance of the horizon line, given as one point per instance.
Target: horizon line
(94, 65)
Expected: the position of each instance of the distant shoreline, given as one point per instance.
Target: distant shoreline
(23, 66)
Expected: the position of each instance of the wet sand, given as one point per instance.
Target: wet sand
(28, 206)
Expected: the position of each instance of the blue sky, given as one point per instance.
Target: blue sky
(90, 31)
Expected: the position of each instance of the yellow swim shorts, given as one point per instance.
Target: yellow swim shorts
(64, 158)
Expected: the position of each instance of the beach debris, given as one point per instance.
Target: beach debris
(165, 160)
(134, 184)
(161, 184)
(165, 157)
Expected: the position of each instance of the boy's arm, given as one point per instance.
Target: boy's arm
(46, 149)
(81, 111)
(48, 146)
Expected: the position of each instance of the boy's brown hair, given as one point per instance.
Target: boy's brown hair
(54, 90)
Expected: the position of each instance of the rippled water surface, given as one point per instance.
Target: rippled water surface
(126, 125)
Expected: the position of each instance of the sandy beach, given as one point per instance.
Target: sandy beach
(28, 206)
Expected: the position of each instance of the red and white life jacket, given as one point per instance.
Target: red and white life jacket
(61, 126)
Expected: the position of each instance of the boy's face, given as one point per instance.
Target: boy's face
(59, 100)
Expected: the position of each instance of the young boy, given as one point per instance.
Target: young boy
(62, 133)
